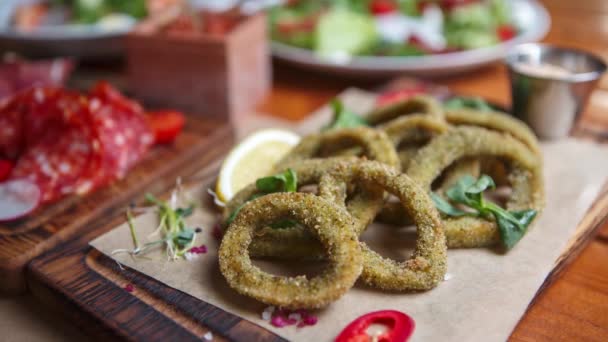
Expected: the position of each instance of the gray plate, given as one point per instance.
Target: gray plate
(529, 15)
(86, 41)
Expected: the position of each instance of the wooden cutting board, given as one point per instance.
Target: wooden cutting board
(88, 287)
(73, 217)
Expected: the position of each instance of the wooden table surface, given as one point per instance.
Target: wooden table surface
(575, 307)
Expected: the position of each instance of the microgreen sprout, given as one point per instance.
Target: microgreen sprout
(172, 230)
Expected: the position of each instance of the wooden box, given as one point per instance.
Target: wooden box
(208, 74)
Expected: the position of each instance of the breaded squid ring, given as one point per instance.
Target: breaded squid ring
(495, 121)
(428, 264)
(375, 143)
(418, 104)
(461, 142)
(393, 213)
(409, 128)
(329, 223)
(363, 204)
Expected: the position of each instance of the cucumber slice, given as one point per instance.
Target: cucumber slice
(344, 32)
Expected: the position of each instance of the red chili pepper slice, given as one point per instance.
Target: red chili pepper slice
(400, 327)
(379, 7)
(506, 32)
(6, 166)
(399, 95)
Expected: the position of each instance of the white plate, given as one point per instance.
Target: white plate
(530, 16)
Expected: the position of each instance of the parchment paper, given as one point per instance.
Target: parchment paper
(484, 295)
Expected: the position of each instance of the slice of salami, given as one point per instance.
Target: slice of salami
(56, 163)
(124, 133)
(11, 133)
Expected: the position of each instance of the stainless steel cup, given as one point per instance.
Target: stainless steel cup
(550, 86)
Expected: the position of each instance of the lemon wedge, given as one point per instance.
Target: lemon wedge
(251, 159)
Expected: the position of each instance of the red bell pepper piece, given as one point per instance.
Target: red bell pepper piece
(400, 327)
(6, 166)
(379, 7)
(391, 97)
(166, 125)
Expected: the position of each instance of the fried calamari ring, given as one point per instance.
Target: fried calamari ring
(500, 122)
(393, 212)
(495, 121)
(363, 204)
(329, 223)
(413, 128)
(408, 132)
(428, 264)
(375, 143)
(461, 142)
(419, 104)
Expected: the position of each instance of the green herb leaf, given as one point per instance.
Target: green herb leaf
(482, 184)
(184, 238)
(525, 217)
(184, 212)
(282, 182)
(151, 199)
(469, 191)
(344, 118)
(445, 206)
(233, 215)
(458, 192)
(461, 102)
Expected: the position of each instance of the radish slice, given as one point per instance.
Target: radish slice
(18, 198)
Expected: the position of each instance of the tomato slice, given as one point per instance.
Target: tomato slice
(449, 5)
(6, 166)
(166, 125)
(379, 7)
(400, 327)
(506, 32)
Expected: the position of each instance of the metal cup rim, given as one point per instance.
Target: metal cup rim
(574, 77)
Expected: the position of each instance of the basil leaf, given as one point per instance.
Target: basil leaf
(525, 217)
(271, 184)
(482, 184)
(233, 215)
(282, 182)
(445, 207)
(462, 102)
(291, 181)
(344, 118)
(469, 191)
(512, 225)
(458, 192)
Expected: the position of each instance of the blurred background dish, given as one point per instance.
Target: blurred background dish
(382, 38)
(77, 28)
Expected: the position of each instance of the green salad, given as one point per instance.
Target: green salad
(391, 27)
